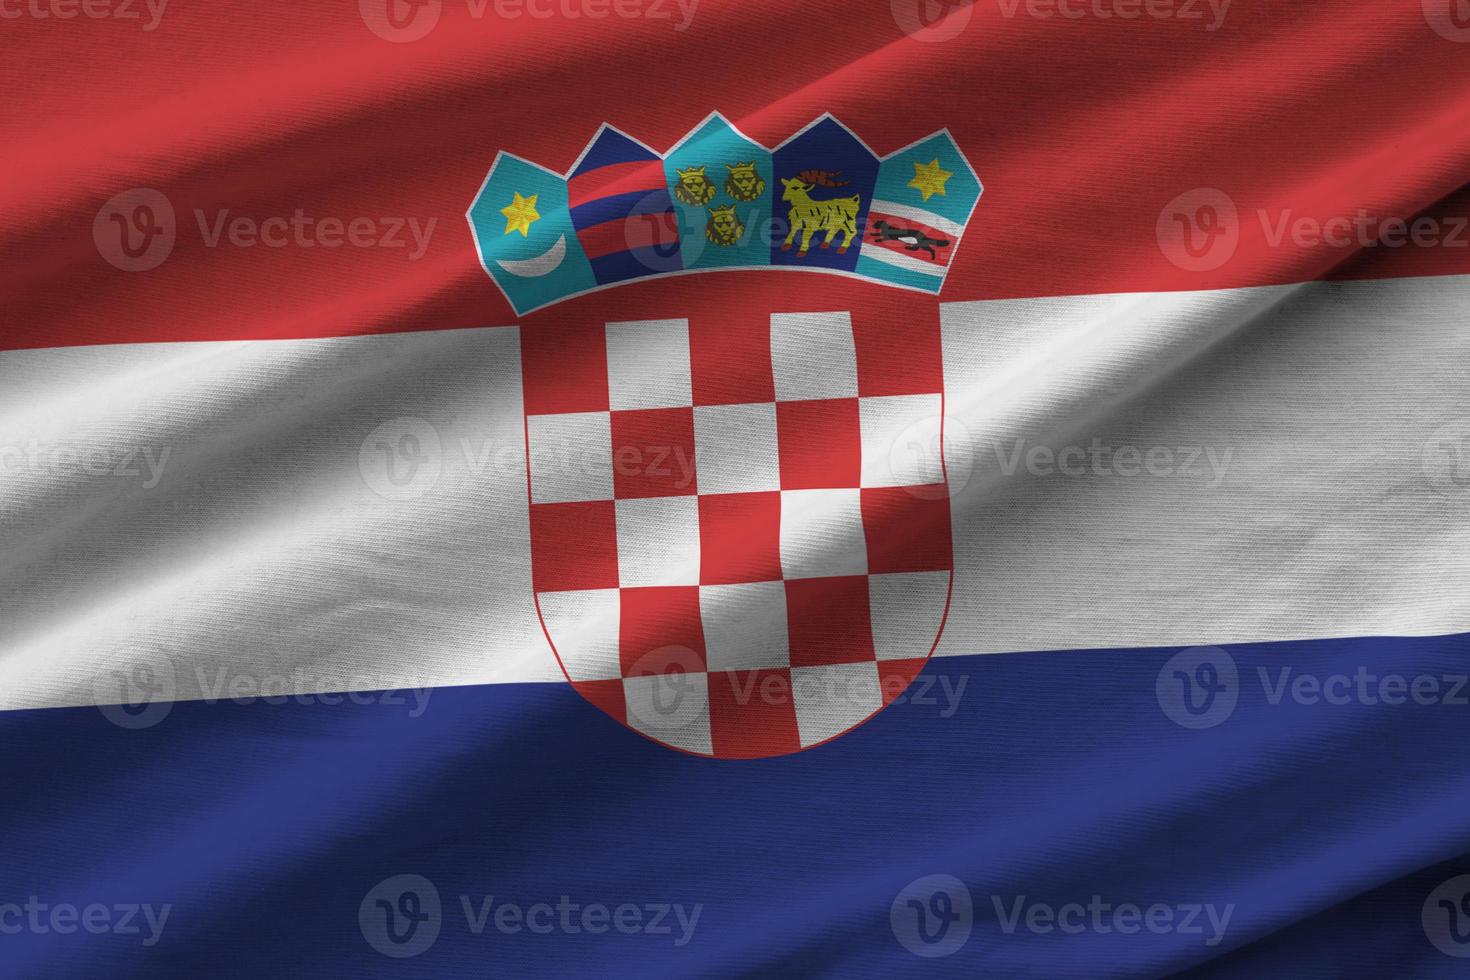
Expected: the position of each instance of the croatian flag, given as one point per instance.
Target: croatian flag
(673, 489)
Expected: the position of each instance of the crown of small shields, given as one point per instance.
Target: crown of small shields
(821, 201)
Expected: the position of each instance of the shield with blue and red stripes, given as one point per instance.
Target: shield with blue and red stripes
(622, 210)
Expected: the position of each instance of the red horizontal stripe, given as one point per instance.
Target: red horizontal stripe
(1083, 130)
(620, 178)
(626, 234)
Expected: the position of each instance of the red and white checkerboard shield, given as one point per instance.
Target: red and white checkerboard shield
(740, 527)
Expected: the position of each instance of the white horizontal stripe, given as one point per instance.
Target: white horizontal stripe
(272, 546)
(272, 549)
(1323, 522)
(935, 221)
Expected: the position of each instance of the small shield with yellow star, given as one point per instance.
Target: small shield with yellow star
(523, 230)
(924, 198)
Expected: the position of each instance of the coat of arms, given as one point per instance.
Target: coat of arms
(740, 529)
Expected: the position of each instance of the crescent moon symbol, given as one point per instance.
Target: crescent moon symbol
(538, 265)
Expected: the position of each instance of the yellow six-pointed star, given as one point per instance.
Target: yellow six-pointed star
(521, 213)
(929, 178)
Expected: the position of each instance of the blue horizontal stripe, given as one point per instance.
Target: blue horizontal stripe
(1040, 778)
